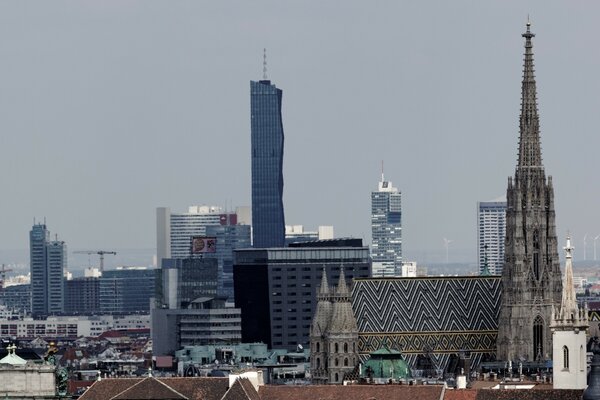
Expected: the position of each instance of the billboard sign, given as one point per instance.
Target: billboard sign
(204, 244)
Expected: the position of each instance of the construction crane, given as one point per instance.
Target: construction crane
(3, 272)
(101, 253)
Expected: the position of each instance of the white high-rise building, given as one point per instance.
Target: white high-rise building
(386, 228)
(175, 230)
(491, 230)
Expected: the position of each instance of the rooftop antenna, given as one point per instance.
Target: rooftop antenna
(382, 179)
(265, 64)
(596, 238)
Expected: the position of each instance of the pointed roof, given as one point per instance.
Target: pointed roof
(530, 152)
(342, 288)
(343, 319)
(150, 388)
(242, 389)
(12, 358)
(322, 316)
(569, 301)
(324, 288)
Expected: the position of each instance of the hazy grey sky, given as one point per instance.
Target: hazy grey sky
(109, 109)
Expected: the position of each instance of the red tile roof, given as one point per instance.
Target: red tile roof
(176, 388)
(351, 392)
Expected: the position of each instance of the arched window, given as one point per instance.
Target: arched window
(346, 362)
(337, 349)
(538, 338)
(336, 377)
(345, 347)
(565, 357)
(336, 362)
(318, 362)
(318, 347)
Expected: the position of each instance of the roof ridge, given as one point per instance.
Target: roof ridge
(152, 379)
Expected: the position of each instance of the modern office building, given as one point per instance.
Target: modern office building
(491, 231)
(185, 280)
(174, 231)
(82, 296)
(276, 288)
(188, 310)
(268, 222)
(531, 277)
(127, 290)
(48, 261)
(296, 234)
(228, 238)
(386, 228)
(205, 322)
(17, 298)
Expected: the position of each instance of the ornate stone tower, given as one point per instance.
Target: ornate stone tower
(318, 333)
(569, 327)
(342, 335)
(531, 277)
(333, 334)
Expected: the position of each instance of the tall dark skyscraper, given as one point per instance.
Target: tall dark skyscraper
(48, 260)
(531, 276)
(268, 223)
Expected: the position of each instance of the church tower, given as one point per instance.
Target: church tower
(333, 334)
(569, 326)
(342, 335)
(318, 333)
(531, 277)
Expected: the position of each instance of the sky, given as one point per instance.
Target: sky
(109, 109)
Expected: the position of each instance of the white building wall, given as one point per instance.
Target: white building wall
(573, 375)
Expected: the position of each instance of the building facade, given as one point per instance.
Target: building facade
(174, 233)
(276, 288)
(126, 290)
(491, 231)
(266, 126)
(531, 277)
(386, 229)
(48, 261)
(82, 296)
(569, 339)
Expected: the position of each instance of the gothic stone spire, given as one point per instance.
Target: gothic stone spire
(530, 152)
(531, 278)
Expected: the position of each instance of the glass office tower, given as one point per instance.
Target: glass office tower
(386, 227)
(268, 223)
(48, 260)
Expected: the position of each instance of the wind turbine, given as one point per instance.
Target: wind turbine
(584, 246)
(447, 245)
(596, 238)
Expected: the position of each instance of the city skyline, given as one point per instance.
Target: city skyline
(120, 110)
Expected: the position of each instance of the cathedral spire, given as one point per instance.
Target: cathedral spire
(530, 152)
(324, 289)
(568, 305)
